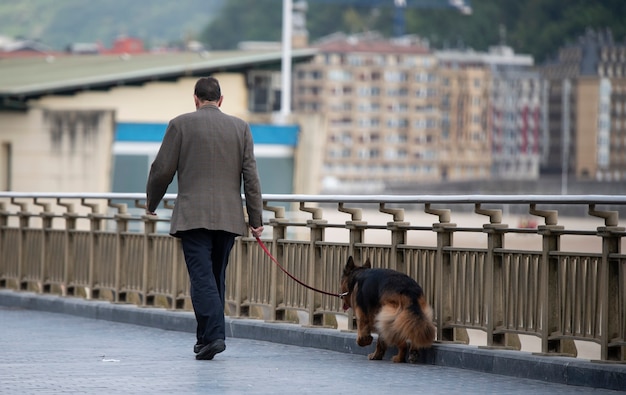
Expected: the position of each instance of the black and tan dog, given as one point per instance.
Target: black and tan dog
(389, 303)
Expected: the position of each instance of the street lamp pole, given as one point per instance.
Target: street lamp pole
(285, 97)
(567, 87)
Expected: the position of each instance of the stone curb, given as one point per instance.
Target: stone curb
(561, 370)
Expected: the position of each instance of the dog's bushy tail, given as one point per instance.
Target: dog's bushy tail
(404, 321)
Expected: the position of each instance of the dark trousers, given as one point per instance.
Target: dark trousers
(206, 255)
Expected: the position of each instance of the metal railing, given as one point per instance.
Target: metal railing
(505, 269)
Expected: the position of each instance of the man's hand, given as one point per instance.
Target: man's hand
(151, 213)
(256, 232)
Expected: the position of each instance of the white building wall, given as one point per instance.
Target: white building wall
(59, 151)
(49, 149)
(156, 101)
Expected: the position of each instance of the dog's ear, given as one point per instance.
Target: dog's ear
(349, 265)
(367, 264)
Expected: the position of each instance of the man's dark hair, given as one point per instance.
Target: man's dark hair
(208, 89)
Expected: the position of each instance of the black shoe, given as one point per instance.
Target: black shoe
(210, 350)
(197, 347)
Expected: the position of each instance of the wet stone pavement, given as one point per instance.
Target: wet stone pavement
(50, 353)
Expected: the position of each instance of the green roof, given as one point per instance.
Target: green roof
(26, 78)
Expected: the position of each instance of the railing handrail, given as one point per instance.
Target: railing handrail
(410, 199)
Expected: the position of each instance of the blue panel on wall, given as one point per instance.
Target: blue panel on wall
(140, 132)
(154, 132)
(273, 134)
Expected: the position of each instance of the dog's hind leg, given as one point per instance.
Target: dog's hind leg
(379, 353)
(414, 356)
(364, 330)
(401, 355)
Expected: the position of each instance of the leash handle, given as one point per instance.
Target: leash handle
(267, 252)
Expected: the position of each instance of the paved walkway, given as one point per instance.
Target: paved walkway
(43, 352)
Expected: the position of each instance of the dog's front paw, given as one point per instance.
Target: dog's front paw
(375, 356)
(364, 340)
(398, 358)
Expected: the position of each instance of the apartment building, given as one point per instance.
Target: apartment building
(379, 102)
(397, 113)
(491, 114)
(465, 151)
(587, 109)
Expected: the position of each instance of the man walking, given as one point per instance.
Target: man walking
(212, 153)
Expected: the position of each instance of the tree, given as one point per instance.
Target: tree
(535, 27)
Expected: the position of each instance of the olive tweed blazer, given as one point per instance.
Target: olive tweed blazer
(212, 153)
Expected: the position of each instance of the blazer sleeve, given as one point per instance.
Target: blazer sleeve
(251, 183)
(164, 167)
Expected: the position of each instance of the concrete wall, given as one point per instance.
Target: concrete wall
(58, 150)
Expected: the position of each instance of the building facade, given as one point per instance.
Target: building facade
(587, 109)
(397, 113)
(380, 107)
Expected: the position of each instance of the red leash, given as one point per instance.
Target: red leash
(292, 277)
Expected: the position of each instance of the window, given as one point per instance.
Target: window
(339, 75)
(365, 91)
(395, 76)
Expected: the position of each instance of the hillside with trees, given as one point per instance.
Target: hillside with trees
(537, 27)
(58, 23)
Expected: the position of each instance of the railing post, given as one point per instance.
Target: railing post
(4, 222)
(356, 226)
(95, 227)
(357, 231)
(495, 271)
(398, 236)
(24, 220)
(550, 299)
(277, 292)
(121, 227)
(317, 227)
(70, 217)
(611, 299)
(176, 301)
(443, 273)
(46, 226)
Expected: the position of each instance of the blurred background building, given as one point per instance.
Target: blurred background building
(586, 108)
(398, 113)
(380, 108)
(491, 114)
